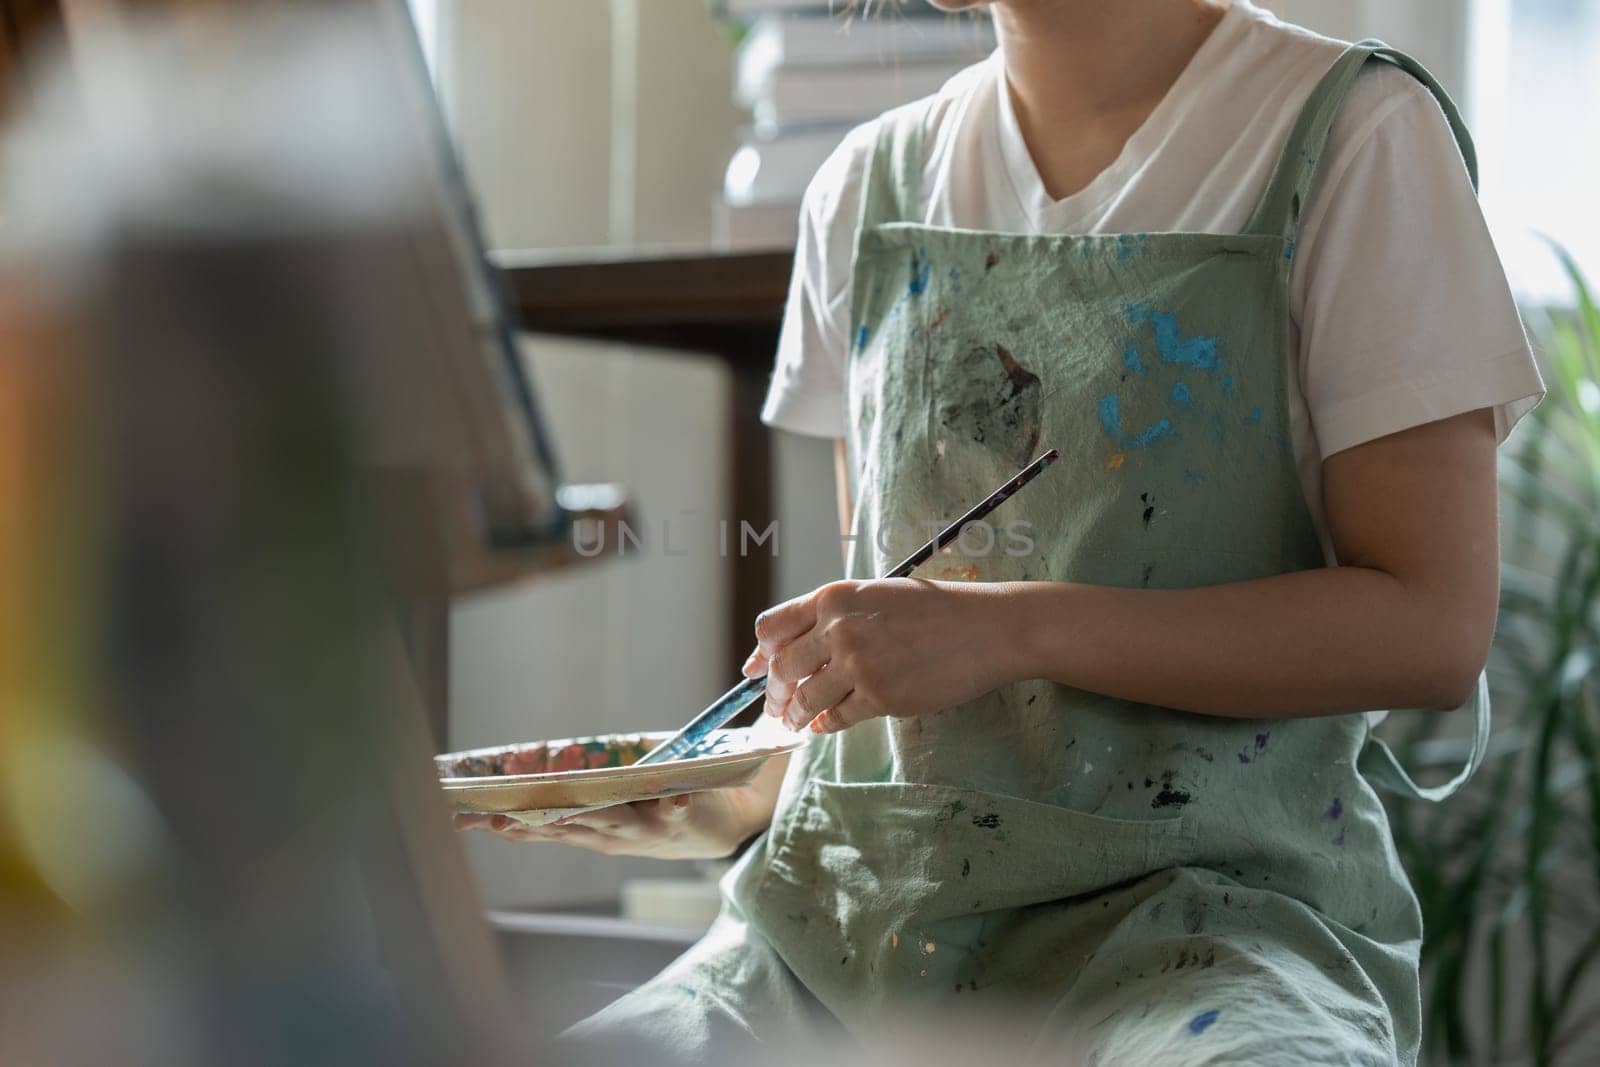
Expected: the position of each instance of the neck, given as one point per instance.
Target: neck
(1075, 59)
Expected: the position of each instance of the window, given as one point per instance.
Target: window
(1534, 103)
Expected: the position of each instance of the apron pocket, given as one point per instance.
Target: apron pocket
(897, 848)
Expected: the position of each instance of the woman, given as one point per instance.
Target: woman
(1120, 785)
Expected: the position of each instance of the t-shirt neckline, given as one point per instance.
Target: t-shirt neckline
(1070, 213)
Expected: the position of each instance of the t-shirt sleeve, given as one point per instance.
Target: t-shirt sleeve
(1403, 311)
(807, 394)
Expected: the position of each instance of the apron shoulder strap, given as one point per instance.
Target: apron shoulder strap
(892, 186)
(1379, 765)
(1278, 213)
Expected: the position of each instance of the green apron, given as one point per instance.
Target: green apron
(1135, 884)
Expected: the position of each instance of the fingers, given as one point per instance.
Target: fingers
(849, 711)
(755, 666)
(779, 625)
(793, 663)
(823, 690)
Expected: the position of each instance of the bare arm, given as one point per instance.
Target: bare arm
(1405, 621)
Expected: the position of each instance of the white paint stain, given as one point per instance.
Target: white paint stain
(928, 948)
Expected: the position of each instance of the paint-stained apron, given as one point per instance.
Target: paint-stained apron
(1124, 883)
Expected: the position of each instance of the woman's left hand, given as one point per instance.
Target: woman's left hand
(854, 650)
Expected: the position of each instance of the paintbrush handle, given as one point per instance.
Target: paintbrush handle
(714, 717)
(978, 511)
(748, 691)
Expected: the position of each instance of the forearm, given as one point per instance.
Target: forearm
(1307, 643)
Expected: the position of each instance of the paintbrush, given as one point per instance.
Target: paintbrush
(747, 692)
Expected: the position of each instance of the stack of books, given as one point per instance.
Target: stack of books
(807, 74)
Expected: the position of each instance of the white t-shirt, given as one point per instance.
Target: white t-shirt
(1401, 310)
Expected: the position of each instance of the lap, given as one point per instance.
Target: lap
(729, 999)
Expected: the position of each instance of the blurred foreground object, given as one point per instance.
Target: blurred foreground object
(257, 399)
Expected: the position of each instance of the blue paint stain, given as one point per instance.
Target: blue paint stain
(920, 269)
(1253, 418)
(1261, 740)
(861, 337)
(1180, 394)
(1288, 253)
(1130, 358)
(1128, 244)
(1110, 420)
(1198, 352)
(1111, 425)
(1202, 1022)
(1227, 384)
(1335, 810)
(1160, 429)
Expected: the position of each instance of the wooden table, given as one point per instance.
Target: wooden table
(724, 305)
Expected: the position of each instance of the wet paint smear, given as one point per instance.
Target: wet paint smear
(1202, 1022)
(1194, 351)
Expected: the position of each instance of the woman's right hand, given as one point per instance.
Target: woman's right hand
(707, 825)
